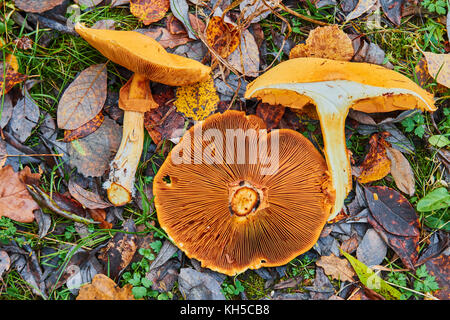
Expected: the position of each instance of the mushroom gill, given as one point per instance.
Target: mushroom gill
(231, 214)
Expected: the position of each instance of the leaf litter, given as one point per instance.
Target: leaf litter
(377, 223)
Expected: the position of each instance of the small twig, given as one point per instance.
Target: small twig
(301, 16)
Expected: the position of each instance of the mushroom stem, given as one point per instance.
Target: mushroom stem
(333, 133)
(123, 168)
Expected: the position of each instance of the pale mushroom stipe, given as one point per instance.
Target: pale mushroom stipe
(150, 62)
(334, 87)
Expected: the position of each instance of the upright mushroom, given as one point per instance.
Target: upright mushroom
(232, 214)
(149, 62)
(334, 87)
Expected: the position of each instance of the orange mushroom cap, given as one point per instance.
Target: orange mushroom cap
(144, 55)
(230, 216)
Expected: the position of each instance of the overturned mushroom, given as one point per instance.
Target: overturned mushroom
(334, 87)
(232, 211)
(149, 62)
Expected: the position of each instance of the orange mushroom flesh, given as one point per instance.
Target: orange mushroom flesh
(334, 87)
(150, 62)
(233, 215)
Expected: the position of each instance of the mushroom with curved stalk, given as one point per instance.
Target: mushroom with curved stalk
(232, 214)
(334, 87)
(150, 62)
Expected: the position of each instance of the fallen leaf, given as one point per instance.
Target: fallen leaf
(439, 67)
(245, 58)
(37, 6)
(25, 116)
(5, 262)
(119, 251)
(271, 115)
(85, 130)
(23, 43)
(15, 201)
(368, 52)
(167, 39)
(195, 285)
(176, 27)
(180, 9)
(376, 164)
(198, 100)
(149, 11)
(88, 3)
(164, 122)
(401, 171)
(87, 198)
(362, 7)
(257, 10)
(10, 79)
(337, 268)
(91, 155)
(372, 281)
(372, 249)
(83, 99)
(327, 42)
(393, 10)
(6, 109)
(439, 267)
(396, 221)
(105, 24)
(222, 36)
(104, 288)
(99, 215)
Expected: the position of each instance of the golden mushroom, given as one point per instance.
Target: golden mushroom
(334, 87)
(232, 213)
(149, 62)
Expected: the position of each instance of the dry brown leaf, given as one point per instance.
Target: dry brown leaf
(439, 67)
(401, 171)
(85, 130)
(176, 27)
(245, 58)
(376, 164)
(362, 7)
(87, 198)
(337, 268)
(15, 201)
(149, 11)
(83, 99)
(222, 36)
(103, 288)
(37, 6)
(92, 154)
(270, 114)
(327, 42)
(99, 215)
(167, 39)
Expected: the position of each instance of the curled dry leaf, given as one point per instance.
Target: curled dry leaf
(401, 171)
(5, 262)
(87, 198)
(337, 268)
(376, 164)
(327, 42)
(103, 288)
(180, 9)
(149, 11)
(85, 130)
(393, 10)
(167, 39)
(439, 67)
(83, 99)
(198, 100)
(37, 6)
(222, 36)
(15, 201)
